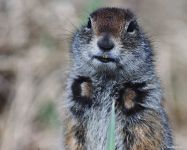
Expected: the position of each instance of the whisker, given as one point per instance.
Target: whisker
(148, 106)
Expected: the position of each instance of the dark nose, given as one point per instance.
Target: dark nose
(105, 43)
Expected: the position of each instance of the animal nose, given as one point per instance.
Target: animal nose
(105, 43)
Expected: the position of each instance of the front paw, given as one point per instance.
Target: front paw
(86, 88)
(82, 90)
(131, 98)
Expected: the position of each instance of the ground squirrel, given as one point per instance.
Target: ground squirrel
(112, 59)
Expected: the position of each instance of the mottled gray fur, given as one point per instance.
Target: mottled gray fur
(134, 65)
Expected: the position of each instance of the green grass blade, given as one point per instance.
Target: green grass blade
(111, 130)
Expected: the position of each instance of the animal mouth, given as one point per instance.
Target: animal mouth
(104, 59)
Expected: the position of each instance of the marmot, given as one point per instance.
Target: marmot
(112, 59)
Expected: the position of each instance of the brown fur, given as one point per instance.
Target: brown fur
(147, 135)
(86, 89)
(128, 98)
(71, 140)
(108, 21)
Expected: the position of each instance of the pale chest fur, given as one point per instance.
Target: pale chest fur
(137, 130)
(98, 117)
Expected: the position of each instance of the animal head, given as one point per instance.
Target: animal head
(111, 41)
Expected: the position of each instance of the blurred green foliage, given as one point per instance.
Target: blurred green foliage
(48, 41)
(90, 7)
(48, 115)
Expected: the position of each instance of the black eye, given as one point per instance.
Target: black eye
(132, 27)
(89, 25)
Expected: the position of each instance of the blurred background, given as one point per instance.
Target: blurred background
(34, 42)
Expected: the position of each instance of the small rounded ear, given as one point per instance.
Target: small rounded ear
(131, 25)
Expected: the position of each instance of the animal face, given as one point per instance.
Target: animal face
(111, 40)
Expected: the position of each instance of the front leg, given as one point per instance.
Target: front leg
(144, 129)
(80, 95)
(82, 90)
(81, 98)
(132, 98)
(75, 135)
(145, 133)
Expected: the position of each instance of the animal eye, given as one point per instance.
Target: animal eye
(131, 27)
(89, 24)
